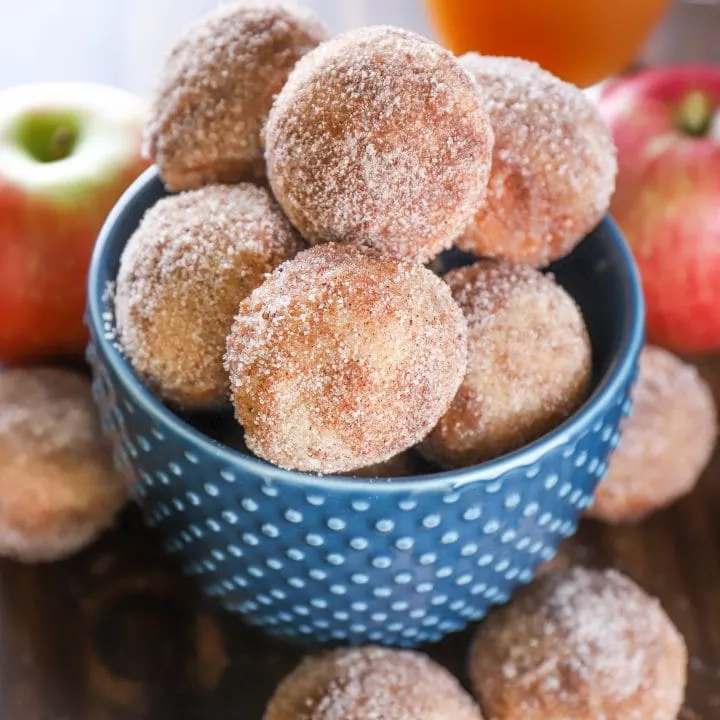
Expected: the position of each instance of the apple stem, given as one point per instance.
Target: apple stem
(61, 143)
(695, 113)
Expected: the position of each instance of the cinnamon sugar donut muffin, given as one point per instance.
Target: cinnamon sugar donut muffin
(666, 442)
(371, 683)
(182, 276)
(343, 358)
(579, 645)
(58, 488)
(553, 166)
(379, 138)
(216, 89)
(529, 363)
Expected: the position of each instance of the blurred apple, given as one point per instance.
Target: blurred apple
(666, 126)
(67, 152)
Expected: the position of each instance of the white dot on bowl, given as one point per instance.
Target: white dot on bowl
(175, 469)
(269, 490)
(444, 572)
(341, 615)
(158, 435)
(250, 539)
(235, 551)
(382, 563)
(284, 617)
(317, 574)
(382, 592)
(428, 558)
(336, 559)
(531, 509)
(547, 553)
(508, 536)
(143, 443)
(270, 530)
(240, 581)
(360, 505)
(336, 524)
(274, 564)
(511, 574)
(451, 498)
(395, 627)
(472, 513)
(464, 580)
(211, 490)
(196, 531)
(295, 554)
(512, 500)
(407, 504)
(544, 519)
(439, 600)
(536, 547)
(296, 582)
(338, 589)
(404, 543)
(359, 607)
(494, 487)
(379, 617)
(478, 589)
(430, 621)
(357, 628)
(178, 504)
(385, 526)
(450, 537)
(485, 560)
(502, 566)
(209, 566)
(229, 517)
(227, 476)
(319, 603)
(315, 500)
(162, 477)
(214, 525)
(359, 543)
(403, 578)
(314, 540)
(581, 459)
(400, 606)
(431, 521)
(575, 496)
(425, 587)
(293, 516)
(522, 543)
(219, 555)
(249, 505)
(301, 610)
(360, 579)
(193, 499)
(256, 571)
(491, 527)
(469, 549)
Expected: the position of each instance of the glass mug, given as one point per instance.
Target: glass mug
(581, 41)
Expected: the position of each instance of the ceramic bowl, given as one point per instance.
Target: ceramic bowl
(336, 560)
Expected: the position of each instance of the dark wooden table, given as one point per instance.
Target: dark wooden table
(117, 634)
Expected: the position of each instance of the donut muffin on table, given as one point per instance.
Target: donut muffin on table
(553, 165)
(182, 276)
(666, 443)
(579, 645)
(344, 358)
(529, 363)
(371, 683)
(58, 488)
(379, 138)
(217, 87)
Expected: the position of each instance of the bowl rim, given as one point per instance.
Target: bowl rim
(604, 394)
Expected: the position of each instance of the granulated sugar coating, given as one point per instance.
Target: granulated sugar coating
(529, 363)
(553, 168)
(58, 486)
(579, 645)
(344, 358)
(216, 89)
(182, 276)
(379, 138)
(371, 683)
(666, 442)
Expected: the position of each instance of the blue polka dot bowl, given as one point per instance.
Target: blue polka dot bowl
(340, 560)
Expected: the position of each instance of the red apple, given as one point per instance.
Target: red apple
(67, 152)
(667, 130)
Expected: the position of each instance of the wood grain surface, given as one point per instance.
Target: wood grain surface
(117, 633)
